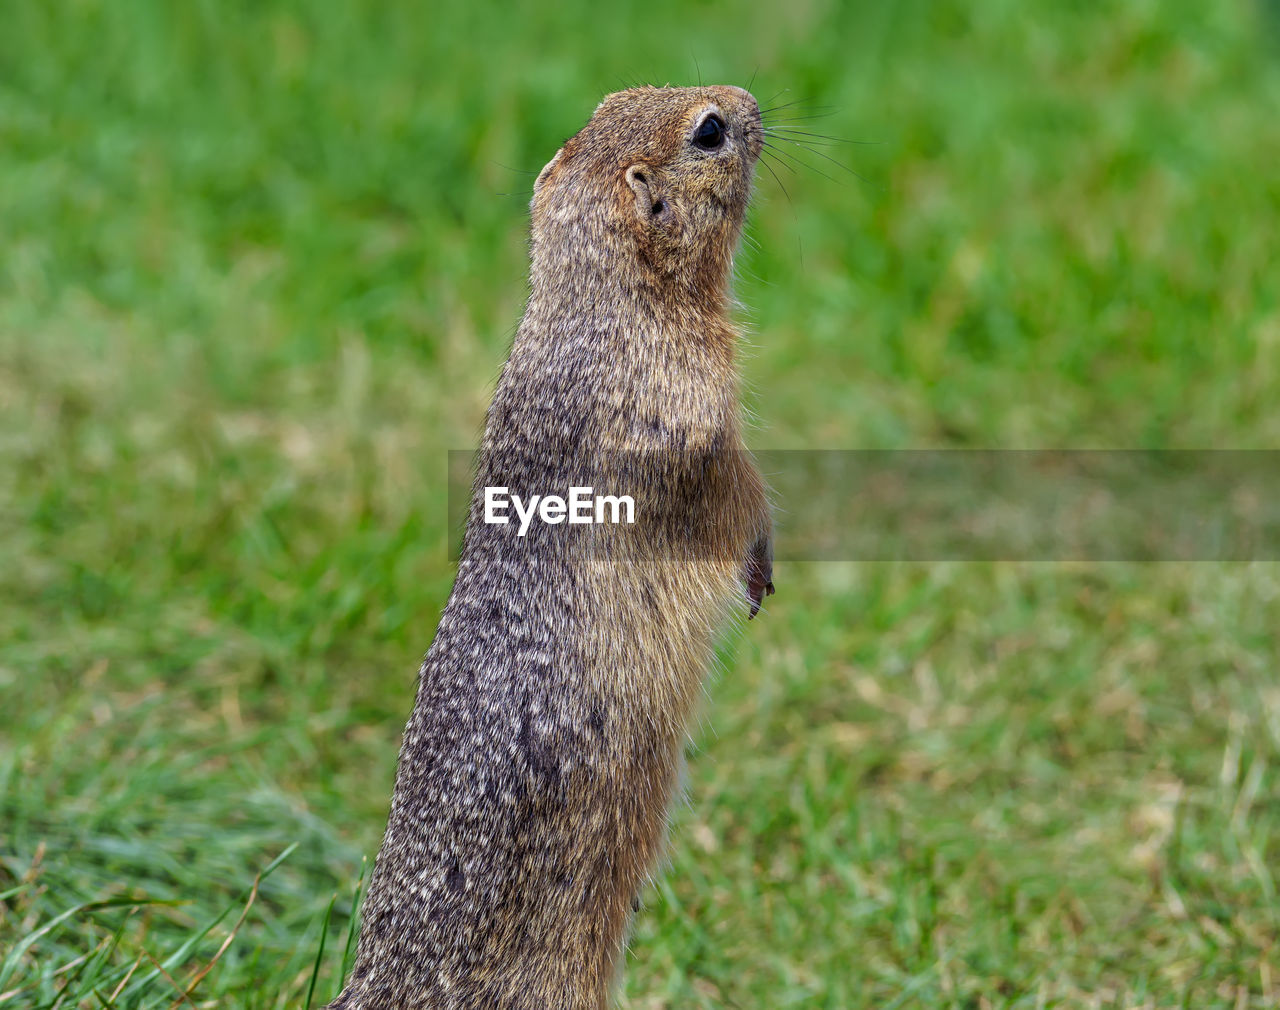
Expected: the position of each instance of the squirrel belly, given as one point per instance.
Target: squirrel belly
(540, 760)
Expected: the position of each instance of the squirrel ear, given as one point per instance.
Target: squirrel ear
(546, 171)
(649, 201)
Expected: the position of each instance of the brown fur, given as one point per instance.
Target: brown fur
(543, 750)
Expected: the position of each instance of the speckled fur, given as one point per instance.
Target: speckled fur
(542, 753)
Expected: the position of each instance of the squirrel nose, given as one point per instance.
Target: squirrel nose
(754, 123)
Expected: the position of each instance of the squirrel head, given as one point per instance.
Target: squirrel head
(659, 178)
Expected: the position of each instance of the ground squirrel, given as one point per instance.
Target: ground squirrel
(545, 743)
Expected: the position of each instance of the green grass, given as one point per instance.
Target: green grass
(259, 264)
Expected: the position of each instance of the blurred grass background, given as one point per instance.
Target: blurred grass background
(259, 265)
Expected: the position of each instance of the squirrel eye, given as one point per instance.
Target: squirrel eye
(710, 134)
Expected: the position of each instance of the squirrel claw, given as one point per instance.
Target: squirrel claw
(759, 576)
(756, 592)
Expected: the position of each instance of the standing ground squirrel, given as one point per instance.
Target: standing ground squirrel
(545, 743)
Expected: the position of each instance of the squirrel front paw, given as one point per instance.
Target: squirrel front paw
(758, 574)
